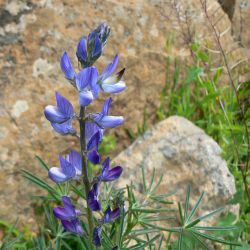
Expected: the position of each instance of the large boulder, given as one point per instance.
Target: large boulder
(183, 154)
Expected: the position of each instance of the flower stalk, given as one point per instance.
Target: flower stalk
(86, 181)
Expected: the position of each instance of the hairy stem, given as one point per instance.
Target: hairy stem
(86, 181)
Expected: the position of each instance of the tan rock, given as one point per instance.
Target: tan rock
(183, 154)
(42, 30)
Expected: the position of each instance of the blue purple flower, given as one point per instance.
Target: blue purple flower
(93, 198)
(61, 115)
(90, 49)
(97, 236)
(111, 215)
(112, 83)
(70, 167)
(62, 112)
(109, 174)
(93, 138)
(68, 216)
(73, 226)
(103, 120)
(86, 83)
(67, 67)
(64, 128)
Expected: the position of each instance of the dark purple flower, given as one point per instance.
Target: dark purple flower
(68, 216)
(67, 212)
(62, 112)
(109, 83)
(94, 157)
(93, 138)
(93, 201)
(86, 83)
(67, 67)
(104, 120)
(110, 216)
(97, 236)
(109, 174)
(73, 226)
(71, 167)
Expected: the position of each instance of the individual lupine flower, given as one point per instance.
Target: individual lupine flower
(62, 112)
(93, 201)
(68, 211)
(109, 174)
(64, 128)
(90, 49)
(112, 83)
(73, 226)
(86, 83)
(110, 216)
(103, 120)
(97, 236)
(68, 216)
(93, 139)
(67, 67)
(71, 167)
(61, 115)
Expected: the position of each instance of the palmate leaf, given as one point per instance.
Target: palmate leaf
(188, 225)
(189, 230)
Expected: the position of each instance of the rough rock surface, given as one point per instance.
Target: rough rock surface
(183, 154)
(33, 36)
(241, 20)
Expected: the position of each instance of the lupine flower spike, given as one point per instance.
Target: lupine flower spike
(74, 166)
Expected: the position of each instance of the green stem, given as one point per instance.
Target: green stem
(86, 181)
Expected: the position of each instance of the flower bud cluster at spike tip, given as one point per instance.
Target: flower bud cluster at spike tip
(89, 84)
(90, 48)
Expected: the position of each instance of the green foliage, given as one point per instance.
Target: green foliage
(108, 144)
(200, 94)
(141, 128)
(139, 226)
